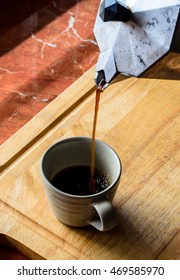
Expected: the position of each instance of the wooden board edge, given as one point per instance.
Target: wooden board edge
(40, 124)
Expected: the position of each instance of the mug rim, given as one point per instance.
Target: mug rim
(50, 185)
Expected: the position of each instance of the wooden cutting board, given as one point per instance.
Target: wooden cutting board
(139, 118)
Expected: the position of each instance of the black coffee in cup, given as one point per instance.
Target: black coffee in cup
(75, 180)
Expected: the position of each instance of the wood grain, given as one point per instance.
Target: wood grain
(140, 119)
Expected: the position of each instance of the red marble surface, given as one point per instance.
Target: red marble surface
(45, 45)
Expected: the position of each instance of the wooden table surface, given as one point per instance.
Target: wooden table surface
(139, 118)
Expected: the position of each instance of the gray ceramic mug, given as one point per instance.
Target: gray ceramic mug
(75, 210)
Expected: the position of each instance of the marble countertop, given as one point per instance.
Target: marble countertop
(45, 46)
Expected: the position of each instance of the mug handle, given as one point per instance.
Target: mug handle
(107, 215)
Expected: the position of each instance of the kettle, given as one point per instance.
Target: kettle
(133, 36)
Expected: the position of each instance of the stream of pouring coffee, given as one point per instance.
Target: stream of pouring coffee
(92, 184)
